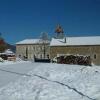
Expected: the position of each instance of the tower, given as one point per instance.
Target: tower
(59, 32)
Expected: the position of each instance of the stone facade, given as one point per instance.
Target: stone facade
(31, 50)
(93, 51)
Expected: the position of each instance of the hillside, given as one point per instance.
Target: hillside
(12, 47)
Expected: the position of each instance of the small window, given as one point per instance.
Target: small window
(94, 56)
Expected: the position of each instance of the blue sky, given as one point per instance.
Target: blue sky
(21, 19)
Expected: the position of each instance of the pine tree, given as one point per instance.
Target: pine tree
(3, 47)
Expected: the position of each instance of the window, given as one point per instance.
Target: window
(94, 56)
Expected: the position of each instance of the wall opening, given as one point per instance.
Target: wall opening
(95, 56)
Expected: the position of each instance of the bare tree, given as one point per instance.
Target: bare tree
(44, 41)
(44, 36)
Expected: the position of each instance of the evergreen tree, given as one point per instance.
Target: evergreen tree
(3, 45)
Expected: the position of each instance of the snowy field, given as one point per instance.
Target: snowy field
(39, 81)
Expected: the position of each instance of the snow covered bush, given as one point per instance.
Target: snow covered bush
(1, 60)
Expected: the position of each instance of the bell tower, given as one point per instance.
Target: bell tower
(59, 32)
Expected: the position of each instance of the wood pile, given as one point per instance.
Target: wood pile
(73, 59)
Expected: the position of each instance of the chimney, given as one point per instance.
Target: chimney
(65, 40)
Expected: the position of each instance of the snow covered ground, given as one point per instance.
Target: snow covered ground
(39, 81)
(11, 71)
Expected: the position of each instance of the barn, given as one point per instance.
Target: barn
(86, 46)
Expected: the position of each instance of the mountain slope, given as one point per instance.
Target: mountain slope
(12, 47)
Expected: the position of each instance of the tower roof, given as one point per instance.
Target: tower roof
(59, 29)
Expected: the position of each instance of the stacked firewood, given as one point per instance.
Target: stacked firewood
(74, 59)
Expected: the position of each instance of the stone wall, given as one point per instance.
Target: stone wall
(92, 51)
(32, 49)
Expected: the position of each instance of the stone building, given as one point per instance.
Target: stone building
(86, 46)
(31, 48)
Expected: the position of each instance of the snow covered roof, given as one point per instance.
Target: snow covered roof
(71, 41)
(8, 52)
(31, 41)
